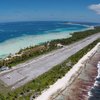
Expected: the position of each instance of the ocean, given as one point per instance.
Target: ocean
(17, 35)
(94, 93)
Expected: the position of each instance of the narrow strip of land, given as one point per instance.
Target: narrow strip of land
(25, 72)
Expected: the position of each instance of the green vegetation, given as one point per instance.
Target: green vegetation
(77, 36)
(36, 86)
(34, 51)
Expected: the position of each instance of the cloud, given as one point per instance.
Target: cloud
(95, 7)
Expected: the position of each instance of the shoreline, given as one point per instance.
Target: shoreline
(42, 59)
(46, 47)
(65, 82)
(62, 35)
(47, 55)
(45, 77)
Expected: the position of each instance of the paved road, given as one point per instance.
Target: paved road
(25, 72)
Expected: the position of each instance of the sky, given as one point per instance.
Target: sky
(47, 10)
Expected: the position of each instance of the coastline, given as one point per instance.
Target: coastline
(13, 46)
(26, 91)
(32, 51)
(57, 88)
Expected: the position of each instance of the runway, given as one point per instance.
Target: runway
(23, 73)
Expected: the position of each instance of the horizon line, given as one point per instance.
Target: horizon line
(49, 21)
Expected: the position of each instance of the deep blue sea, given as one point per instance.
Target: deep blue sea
(18, 29)
(17, 35)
